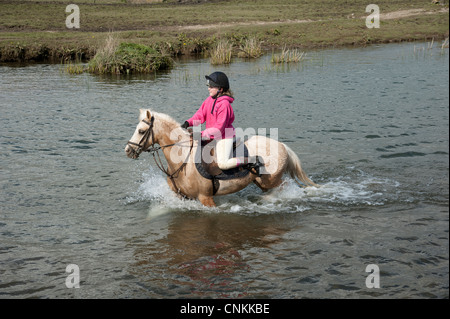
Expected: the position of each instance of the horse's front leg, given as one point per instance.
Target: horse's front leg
(206, 200)
(176, 190)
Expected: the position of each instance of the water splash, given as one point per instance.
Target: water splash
(153, 188)
(360, 190)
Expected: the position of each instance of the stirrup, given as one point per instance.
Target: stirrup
(254, 167)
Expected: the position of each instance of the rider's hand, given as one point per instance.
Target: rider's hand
(185, 125)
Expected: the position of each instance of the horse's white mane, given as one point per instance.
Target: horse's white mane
(166, 118)
(161, 116)
(166, 121)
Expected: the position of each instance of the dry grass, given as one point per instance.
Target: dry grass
(111, 44)
(221, 53)
(103, 61)
(287, 56)
(250, 48)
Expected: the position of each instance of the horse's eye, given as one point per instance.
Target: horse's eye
(141, 131)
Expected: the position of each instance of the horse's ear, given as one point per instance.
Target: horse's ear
(141, 114)
(149, 115)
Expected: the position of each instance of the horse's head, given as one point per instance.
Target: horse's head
(143, 136)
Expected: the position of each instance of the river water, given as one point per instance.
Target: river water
(369, 124)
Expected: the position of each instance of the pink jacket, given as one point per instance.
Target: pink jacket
(219, 122)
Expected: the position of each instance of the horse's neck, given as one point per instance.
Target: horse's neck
(164, 132)
(165, 139)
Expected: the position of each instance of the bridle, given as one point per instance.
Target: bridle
(144, 139)
(152, 149)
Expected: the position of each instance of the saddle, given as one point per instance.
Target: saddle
(206, 164)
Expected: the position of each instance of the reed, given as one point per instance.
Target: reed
(74, 68)
(250, 48)
(287, 56)
(444, 44)
(221, 53)
(104, 58)
(430, 45)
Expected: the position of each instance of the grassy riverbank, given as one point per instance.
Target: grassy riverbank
(36, 30)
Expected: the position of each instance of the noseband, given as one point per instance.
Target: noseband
(144, 139)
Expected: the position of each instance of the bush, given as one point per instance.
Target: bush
(128, 58)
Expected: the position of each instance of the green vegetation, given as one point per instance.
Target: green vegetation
(36, 31)
(127, 58)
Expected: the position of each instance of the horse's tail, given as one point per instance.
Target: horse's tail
(294, 169)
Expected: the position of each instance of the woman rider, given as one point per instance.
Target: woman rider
(218, 114)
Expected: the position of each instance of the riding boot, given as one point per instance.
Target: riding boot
(251, 163)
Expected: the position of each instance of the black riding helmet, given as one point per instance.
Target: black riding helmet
(218, 79)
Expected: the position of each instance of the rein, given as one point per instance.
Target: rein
(152, 149)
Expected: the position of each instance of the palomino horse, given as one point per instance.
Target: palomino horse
(179, 149)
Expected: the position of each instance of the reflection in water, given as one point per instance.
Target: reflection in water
(203, 254)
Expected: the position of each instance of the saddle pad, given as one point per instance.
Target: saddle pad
(211, 171)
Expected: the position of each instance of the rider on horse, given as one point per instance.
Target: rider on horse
(218, 114)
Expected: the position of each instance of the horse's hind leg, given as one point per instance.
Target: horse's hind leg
(267, 182)
(206, 200)
(260, 187)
